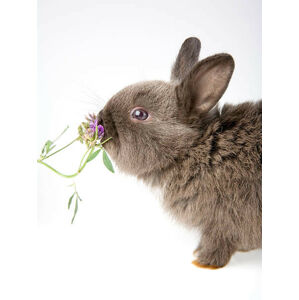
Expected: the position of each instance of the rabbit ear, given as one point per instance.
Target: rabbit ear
(186, 59)
(205, 84)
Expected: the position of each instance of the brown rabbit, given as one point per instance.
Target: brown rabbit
(206, 160)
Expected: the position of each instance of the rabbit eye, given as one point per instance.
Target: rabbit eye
(139, 114)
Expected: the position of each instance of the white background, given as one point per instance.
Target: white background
(122, 245)
(37, 261)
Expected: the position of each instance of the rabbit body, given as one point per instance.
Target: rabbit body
(216, 186)
(206, 160)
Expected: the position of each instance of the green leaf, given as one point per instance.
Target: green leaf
(47, 147)
(70, 201)
(93, 155)
(44, 149)
(107, 162)
(75, 210)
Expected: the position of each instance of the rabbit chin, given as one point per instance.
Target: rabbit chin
(133, 165)
(134, 162)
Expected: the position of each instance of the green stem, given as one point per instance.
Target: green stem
(83, 158)
(90, 152)
(102, 143)
(61, 148)
(57, 172)
(61, 134)
(64, 175)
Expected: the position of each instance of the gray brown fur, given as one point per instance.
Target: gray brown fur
(206, 160)
(186, 59)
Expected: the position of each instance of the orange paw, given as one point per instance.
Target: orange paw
(197, 264)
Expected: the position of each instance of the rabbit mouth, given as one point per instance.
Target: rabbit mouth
(110, 131)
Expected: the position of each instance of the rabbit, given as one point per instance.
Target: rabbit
(205, 160)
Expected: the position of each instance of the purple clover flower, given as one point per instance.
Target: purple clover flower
(93, 125)
(87, 130)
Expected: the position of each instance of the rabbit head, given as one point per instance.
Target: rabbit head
(154, 123)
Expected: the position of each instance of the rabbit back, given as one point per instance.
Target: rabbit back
(217, 186)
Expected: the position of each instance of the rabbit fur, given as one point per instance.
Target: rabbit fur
(206, 160)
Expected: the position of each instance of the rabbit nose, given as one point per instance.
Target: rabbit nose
(100, 118)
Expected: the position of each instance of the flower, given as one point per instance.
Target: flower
(93, 125)
(90, 133)
(87, 130)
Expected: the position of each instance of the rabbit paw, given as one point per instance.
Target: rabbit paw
(211, 259)
(199, 265)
